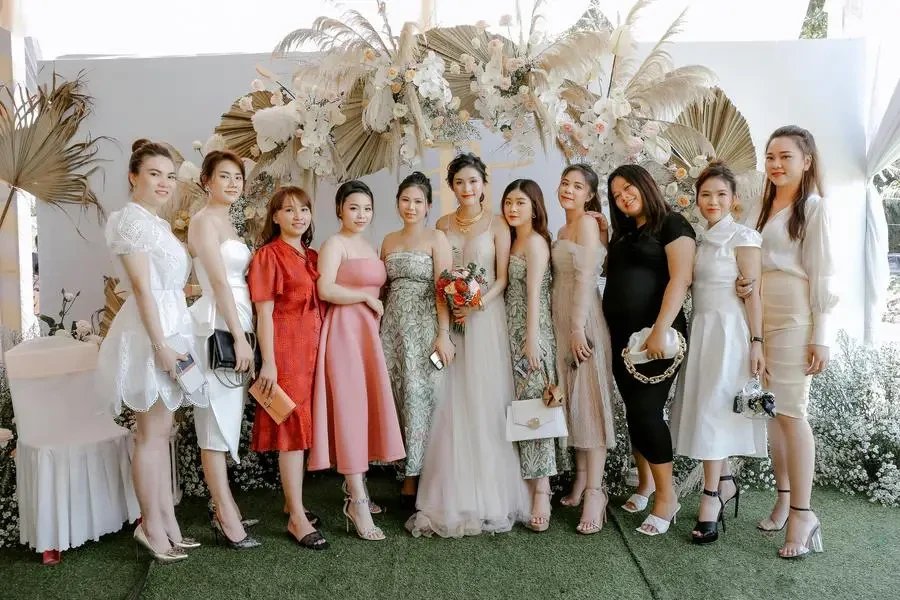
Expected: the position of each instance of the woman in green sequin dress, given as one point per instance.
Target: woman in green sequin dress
(531, 339)
(415, 322)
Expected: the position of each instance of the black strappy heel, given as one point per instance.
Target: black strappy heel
(709, 530)
(737, 493)
(783, 525)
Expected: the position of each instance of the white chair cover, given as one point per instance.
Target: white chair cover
(73, 468)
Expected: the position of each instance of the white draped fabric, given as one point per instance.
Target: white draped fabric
(883, 147)
(73, 469)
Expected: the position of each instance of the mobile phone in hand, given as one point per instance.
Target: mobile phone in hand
(436, 360)
(189, 375)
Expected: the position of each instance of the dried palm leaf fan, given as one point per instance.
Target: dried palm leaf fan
(717, 122)
(362, 143)
(655, 89)
(452, 42)
(114, 300)
(37, 152)
(236, 128)
(570, 58)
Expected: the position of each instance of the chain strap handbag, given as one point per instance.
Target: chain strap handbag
(223, 358)
(675, 350)
(754, 402)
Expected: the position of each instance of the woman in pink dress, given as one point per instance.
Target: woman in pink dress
(354, 416)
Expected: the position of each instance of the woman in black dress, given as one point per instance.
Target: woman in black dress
(650, 264)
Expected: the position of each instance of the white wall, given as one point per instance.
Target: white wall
(815, 84)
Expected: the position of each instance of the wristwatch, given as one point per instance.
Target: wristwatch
(756, 338)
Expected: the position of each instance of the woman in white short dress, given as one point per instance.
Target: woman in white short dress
(150, 333)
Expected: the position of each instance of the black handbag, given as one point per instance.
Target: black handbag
(222, 358)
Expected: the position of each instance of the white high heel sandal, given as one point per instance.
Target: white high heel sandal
(640, 503)
(659, 525)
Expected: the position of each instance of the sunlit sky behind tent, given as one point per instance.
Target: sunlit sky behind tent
(188, 27)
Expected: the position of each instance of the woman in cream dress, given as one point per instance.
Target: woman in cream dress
(798, 296)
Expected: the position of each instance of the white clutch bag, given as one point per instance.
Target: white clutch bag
(531, 419)
(675, 348)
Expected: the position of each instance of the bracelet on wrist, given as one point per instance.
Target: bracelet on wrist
(156, 347)
(756, 338)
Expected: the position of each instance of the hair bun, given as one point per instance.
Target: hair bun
(716, 162)
(418, 178)
(139, 143)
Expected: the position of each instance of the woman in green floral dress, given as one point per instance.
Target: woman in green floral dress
(532, 344)
(415, 323)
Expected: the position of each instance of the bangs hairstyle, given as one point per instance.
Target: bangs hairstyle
(654, 207)
(466, 159)
(593, 182)
(810, 183)
(347, 189)
(213, 159)
(531, 189)
(716, 170)
(141, 150)
(271, 230)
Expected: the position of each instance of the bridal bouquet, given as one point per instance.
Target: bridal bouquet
(461, 287)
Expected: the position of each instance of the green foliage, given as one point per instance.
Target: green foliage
(815, 25)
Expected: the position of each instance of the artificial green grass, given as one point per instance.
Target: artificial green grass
(861, 559)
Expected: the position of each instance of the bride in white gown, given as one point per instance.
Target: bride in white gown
(470, 480)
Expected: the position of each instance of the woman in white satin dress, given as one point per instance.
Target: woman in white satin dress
(470, 481)
(221, 259)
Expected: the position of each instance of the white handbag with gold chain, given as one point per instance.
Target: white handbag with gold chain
(675, 348)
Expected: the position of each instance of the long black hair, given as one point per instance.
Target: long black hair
(593, 181)
(654, 207)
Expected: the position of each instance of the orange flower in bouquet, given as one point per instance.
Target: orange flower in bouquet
(461, 287)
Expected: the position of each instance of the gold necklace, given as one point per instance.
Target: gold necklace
(465, 225)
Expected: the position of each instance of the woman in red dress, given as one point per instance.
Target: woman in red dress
(282, 279)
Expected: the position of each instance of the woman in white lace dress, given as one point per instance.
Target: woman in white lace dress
(470, 481)
(150, 334)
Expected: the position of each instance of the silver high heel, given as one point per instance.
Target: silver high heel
(371, 534)
(373, 508)
(171, 555)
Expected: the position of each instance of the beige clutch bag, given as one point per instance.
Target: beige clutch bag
(278, 404)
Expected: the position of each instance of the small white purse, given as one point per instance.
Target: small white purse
(675, 348)
(531, 420)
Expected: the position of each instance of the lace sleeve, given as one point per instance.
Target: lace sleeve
(818, 262)
(585, 261)
(130, 231)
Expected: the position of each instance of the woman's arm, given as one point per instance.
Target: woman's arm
(680, 259)
(442, 260)
(817, 258)
(502, 242)
(749, 260)
(204, 240)
(265, 335)
(137, 268)
(537, 257)
(587, 240)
